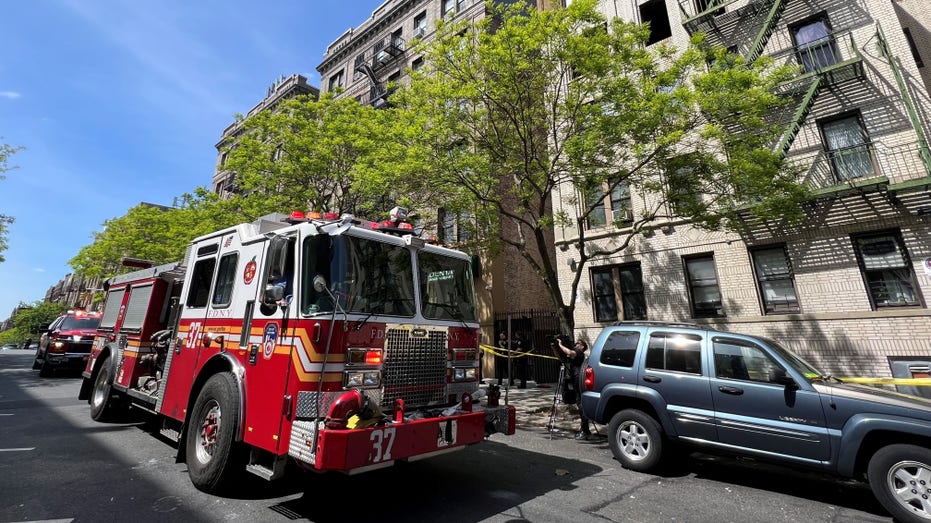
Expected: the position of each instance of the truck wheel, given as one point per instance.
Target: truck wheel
(900, 477)
(636, 440)
(101, 403)
(213, 457)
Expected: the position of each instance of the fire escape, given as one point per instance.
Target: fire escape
(827, 59)
(386, 52)
(825, 62)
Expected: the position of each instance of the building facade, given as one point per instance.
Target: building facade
(364, 63)
(848, 288)
(281, 89)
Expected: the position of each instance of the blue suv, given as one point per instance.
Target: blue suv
(655, 384)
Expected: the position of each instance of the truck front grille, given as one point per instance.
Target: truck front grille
(414, 368)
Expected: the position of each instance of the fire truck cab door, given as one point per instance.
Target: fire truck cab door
(273, 335)
(193, 325)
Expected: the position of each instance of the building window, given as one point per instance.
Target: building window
(775, 280)
(336, 81)
(462, 4)
(653, 12)
(420, 25)
(848, 147)
(610, 200)
(814, 44)
(683, 189)
(417, 64)
(886, 269)
(913, 47)
(624, 284)
(448, 7)
(454, 228)
(702, 279)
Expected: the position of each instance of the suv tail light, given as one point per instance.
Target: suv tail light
(588, 381)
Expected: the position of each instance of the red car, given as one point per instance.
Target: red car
(66, 342)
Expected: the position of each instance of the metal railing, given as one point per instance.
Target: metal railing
(825, 169)
(835, 56)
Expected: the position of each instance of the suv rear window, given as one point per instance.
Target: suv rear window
(75, 323)
(620, 348)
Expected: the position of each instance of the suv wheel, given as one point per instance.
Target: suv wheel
(900, 477)
(636, 440)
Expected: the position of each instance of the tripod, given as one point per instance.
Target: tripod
(551, 426)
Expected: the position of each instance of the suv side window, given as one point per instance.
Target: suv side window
(620, 348)
(741, 360)
(675, 352)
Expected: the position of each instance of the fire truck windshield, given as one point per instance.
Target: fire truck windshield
(446, 287)
(366, 276)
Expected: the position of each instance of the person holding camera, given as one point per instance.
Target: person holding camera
(575, 358)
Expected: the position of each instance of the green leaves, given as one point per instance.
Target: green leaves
(5, 221)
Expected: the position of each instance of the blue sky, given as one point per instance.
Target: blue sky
(122, 101)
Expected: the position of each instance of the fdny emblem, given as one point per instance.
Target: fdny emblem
(269, 339)
(249, 272)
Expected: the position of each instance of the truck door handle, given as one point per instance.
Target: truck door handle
(652, 379)
(730, 390)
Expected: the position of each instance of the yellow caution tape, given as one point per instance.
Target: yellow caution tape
(918, 382)
(505, 353)
(925, 382)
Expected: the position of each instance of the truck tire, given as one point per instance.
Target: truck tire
(102, 408)
(636, 440)
(900, 477)
(214, 459)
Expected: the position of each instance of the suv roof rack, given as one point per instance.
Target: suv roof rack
(647, 323)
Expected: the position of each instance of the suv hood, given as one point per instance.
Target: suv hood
(885, 400)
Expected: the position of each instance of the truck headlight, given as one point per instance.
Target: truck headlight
(464, 374)
(362, 378)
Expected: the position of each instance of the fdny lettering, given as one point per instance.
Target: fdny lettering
(378, 334)
(269, 340)
(382, 441)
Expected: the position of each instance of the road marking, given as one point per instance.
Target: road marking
(5, 414)
(23, 449)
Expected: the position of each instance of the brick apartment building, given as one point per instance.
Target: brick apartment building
(363, 63)
(849, 288)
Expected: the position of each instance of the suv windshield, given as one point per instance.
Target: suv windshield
(72, 323)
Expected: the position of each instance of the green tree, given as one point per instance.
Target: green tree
(27, 323)
(155, 233)
(527, 107)
(5, 221)
(309, 154)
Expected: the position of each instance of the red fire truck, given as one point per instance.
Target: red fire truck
(341, 344)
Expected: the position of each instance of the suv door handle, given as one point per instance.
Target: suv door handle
(730, 390)
(652, 379)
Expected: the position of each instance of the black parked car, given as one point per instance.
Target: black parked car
(656, 384)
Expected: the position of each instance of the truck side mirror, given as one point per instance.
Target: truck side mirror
(43, 327)
(273, 293)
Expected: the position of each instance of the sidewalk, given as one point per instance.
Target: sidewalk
(534, 406)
